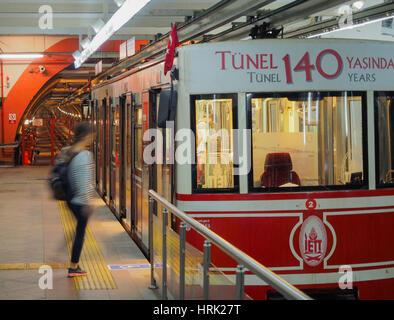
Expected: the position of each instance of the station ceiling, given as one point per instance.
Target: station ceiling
(76, 17)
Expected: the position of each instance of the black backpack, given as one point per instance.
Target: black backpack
(58, 179)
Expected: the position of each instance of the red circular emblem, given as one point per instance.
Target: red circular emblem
(311, 204)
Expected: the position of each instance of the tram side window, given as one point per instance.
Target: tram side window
(214, 143)
(306, 139)
(384, 106)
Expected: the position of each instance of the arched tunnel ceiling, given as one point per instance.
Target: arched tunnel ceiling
(51, 101)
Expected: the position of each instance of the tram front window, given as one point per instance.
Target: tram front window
(384, 105)
(306, 139)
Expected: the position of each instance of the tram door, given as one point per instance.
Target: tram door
(114, 156)
(107, 146)
(101, 148)
(162, 173)
(146, 178)
(120, 199)
(127, 156)
(136, 166)
(96, 139)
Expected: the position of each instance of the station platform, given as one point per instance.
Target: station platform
(37, 231)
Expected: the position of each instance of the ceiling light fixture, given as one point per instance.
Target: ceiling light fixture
(85, 43)
(98, 25)
(128, 10)
(21, 56)
(119, 2)
(358, 5)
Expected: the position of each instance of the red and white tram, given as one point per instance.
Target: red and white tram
(293, 161)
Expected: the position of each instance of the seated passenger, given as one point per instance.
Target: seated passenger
(278, 171)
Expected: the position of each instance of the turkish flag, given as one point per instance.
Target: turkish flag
(170, 54)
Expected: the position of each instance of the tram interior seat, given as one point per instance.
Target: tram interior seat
(278, 171)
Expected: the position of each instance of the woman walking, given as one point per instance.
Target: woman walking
(80, 177)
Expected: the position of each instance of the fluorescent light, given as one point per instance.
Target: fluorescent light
(17, 56)
(85, 43)
(76, 54)
(350, 27)
(98, 25)
(358, 5)
(128, 10)
(119, 2)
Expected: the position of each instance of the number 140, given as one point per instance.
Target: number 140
(305, 65)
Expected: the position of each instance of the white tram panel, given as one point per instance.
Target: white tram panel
(287, 65)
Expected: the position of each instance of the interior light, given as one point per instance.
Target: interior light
(128, 9)
(17, 56)
(358, 5)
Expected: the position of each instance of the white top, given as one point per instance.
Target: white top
(80, 175)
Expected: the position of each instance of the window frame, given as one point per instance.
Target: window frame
(376, 133)
(322, 94)
(193, 98)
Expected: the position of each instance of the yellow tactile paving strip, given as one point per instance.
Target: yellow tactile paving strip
(32, 266)
(92, 260)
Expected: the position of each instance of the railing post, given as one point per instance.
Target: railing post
(164, 289)
(207, 262)
(182, 253)
(240, 283)
(151, 253)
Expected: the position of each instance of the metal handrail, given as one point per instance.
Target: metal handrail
(9, 145)
(282, 286)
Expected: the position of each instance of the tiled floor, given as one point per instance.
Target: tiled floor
(31, 232)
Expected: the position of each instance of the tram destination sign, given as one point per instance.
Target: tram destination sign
(288, 65)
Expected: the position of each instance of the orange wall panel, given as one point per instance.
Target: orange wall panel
(29, 83)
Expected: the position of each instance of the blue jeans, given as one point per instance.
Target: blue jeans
(82, 221)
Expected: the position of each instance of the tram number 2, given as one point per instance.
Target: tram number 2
(305, 65)
(311, 204)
